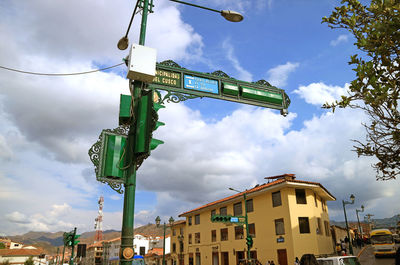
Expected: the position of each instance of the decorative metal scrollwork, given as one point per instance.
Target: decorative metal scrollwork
(171, 63)
(287, 100)
(220, 74)
(263, 82)
(122, 130)
(94, 154)
(175, 97)
(117, 186)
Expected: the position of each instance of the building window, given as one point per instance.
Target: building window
(327, 228)
(276, 199)
(315, 199)
(323, 202)
(180, 247)
(213, 235)
(252, 230)
(279, 227)
(173, 232)
(190, 239)
(213, 212)
(301, 196)
(319, 226)
(223, 211)
(304, 225)
(181, 231)
(197, 238)
(249, 205)
(198, 262)
(173, 247)
(190, 220)
(237, 209)
(224, 234)
(197, 219)
(238, 232)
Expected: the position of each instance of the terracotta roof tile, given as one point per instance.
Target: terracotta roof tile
(21, 252)
(258, 188)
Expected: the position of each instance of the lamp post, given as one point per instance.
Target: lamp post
(352, 198)
(358, 220)
(158, 220)
(127, 251)
(248, 236)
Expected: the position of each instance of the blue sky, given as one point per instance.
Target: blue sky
(49, 123)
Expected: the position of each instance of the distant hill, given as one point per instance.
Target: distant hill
(379, 223)
(50, 241)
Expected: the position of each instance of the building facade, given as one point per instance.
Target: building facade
(287, 218)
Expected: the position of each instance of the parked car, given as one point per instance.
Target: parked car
(339, 260)
(138, 260)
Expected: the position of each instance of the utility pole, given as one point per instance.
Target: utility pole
(127, 252)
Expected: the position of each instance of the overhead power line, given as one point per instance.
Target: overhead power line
(59, 74)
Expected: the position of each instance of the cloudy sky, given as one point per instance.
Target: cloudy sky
(48, 124)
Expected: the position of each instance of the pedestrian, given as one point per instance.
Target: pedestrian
(268, 262)
(296, 261)
(343, 245)
(272, 262)
(397, 256)
(338, 248)
(343, 253)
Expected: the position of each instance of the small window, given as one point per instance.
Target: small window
(304, 225)
(213, 235)
(276, 199)
(197, 238)
(190, 239)
(197, 219)
(279, 227)
(213, 212)
(223, 211)
(180, 247)
(319, 226)
(173, 232)
(301, 196)
(323, 202)
(190, 220)
(237, 209)
(249, 205)
(181, 231)
(224, 234)
(252, 230)
(315, 199)
(327, 228)
(173, 247)
(238, 232)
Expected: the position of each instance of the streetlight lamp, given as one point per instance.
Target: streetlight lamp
(352, 198)
(249, 239)
(358, 220)
(229, 15)
(170, 221)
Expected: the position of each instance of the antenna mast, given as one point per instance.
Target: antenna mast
(98, 224)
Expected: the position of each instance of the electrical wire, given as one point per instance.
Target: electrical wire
(59, 74)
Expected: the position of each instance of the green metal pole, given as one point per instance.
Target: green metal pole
(247, 225)
(62, 260)
(163, 248)
(126, 254)
(347, 228)
(71, 260)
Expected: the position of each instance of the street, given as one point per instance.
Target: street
(367, 258)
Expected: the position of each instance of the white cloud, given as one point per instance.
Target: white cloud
(278, 75)
(320, 93)
(230, 54)
(340, 39)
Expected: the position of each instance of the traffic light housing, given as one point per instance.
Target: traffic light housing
(249, 241)
(146, 123)
(75, 241)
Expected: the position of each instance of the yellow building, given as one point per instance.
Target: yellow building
(287, 218)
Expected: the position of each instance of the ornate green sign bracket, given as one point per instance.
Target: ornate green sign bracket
(107, 170)
(183, 84)
(176, 97)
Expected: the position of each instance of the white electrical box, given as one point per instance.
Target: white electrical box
(142, 63)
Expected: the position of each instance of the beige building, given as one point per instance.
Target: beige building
(287, 218)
